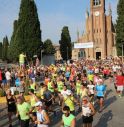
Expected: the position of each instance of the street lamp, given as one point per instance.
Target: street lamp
(41, 47)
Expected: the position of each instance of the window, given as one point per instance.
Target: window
(96, 2)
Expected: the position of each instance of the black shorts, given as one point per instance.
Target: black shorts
(99, 97)
(91, 95)
(86, 119)
(25, 123)
(12, 108)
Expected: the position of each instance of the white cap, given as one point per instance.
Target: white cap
(68, 92)
(39, 103)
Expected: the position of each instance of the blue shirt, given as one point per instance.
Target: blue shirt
(17, 82)
(90, 72)
(100, 89)
(67, 74)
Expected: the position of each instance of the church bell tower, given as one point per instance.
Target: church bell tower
(97, 11)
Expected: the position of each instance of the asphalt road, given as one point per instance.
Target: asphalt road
(112, 115)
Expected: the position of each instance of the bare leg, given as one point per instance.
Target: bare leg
(89, 125)
(85, 125)
(10, 117)
(101, 103)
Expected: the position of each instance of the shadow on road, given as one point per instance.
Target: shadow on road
(109, 101)
(108, 92)
(103, 121)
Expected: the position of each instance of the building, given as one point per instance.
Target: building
(76, 53)
(99, 30)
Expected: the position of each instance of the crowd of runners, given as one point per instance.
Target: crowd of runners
(75, 88)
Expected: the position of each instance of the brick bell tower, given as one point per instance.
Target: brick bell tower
(97, 29)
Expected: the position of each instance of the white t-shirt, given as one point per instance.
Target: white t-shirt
(40, 117)
(97, 70)
(64, 93)
(91, 88)
(8, 75)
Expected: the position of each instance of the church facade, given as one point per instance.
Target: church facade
(99, 30)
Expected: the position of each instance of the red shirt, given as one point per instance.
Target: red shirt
(119, 80)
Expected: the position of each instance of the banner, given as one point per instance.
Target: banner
(83, 45)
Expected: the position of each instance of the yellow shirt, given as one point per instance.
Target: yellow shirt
(21, 58)
(83, 92)
(23, 109)
(69, 101)
(90, 77)
(41, 93)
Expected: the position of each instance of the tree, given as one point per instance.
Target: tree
(5, 48)
(0, 50)
(120, 26)
(65, 44)
(26, 34)
(48, 47)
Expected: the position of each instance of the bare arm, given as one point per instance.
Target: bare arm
(92, 108)
(73, 123)
(47, 120)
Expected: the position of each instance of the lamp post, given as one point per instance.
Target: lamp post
(41, 47)
(42, 56)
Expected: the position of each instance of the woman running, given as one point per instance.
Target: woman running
(87, 112)
(11, 104)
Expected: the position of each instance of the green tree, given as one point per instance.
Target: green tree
(120, 26)
(1, 50)
(5, 48)
(26, 34)
(48, 47)
(65, 44)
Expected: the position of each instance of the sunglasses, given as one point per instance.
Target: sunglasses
(64, 112)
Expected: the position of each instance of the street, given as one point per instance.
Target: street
(112, 115)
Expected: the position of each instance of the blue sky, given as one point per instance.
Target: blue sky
(53, 15)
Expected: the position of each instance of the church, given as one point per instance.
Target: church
(99, 30)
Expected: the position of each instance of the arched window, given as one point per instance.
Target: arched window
(96, 2)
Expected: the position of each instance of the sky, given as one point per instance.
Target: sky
(53, 15)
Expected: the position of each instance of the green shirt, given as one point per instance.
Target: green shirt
(23, 109)
(67, 120)
(60, 86)
(50, 87)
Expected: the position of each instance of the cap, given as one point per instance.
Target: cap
(68, 92)
(39, 103)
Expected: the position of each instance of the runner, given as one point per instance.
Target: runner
(68, 119)
(43, 119)
(87, 112)
(91, 89)
(23, 110)
(11, 105)
(100, 93)
(120, 83)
